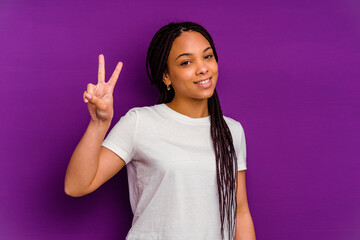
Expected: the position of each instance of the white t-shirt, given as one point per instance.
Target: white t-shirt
(171, 172)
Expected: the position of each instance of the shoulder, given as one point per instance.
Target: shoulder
(144, 114)
(238, 136)
(145, 110)
(233, 124)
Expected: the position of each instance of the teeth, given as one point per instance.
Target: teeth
(202, 82)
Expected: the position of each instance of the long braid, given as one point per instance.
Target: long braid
(222, 142)
(226, 161)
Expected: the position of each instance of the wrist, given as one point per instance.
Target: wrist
(99, 124)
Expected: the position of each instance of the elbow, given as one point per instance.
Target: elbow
(73, 193)
(70, 191)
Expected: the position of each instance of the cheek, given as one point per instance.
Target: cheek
(183, 76)
(215, 67)
(215, 72)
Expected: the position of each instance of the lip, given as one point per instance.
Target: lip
(204, 79)
(204, 85)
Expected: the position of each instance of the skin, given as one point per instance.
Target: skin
(91, 165)
(244, 223)
(183, 70)
(191, 59)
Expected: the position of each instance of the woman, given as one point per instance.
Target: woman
(185, 160)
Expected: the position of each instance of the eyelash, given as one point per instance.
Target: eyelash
(209, 56)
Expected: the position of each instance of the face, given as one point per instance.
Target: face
(192, 69)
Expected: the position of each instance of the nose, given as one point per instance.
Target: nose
(202, 68)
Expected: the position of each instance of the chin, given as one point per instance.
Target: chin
(206, 95)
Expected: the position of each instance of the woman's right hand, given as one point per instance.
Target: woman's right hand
(99, 97)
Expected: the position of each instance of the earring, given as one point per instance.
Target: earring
(168, 87)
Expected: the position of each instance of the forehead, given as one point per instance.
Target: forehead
(188, 42)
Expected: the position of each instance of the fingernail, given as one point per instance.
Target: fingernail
(88, 96)
(85, 100)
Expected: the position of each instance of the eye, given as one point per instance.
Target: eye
(185, 63)
(208, 56)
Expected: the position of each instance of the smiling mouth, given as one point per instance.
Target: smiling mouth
(203, 81)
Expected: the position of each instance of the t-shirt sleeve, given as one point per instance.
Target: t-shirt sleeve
(241, 153)
(121, 138)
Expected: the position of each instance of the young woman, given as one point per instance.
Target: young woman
(185, 161)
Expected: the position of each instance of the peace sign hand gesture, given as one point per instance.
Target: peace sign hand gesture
(99, 97)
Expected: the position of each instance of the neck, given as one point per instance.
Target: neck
(192, 108)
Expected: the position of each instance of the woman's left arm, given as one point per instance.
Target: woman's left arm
(244, 223)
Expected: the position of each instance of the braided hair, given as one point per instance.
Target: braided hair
(226, 161)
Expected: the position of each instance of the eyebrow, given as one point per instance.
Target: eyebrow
(186, 54)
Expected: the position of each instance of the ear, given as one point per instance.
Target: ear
(166, 78)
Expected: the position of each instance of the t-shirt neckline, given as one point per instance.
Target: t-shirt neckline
(179, 116)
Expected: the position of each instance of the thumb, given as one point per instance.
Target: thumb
(96, 101)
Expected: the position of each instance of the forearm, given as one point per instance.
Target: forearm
(244, 227)
(84, 160)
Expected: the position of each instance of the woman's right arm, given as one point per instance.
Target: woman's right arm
(91, 165)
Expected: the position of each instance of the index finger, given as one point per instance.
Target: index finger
(114, 77)
(101, 70)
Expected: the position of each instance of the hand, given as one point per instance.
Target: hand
(99, 97)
